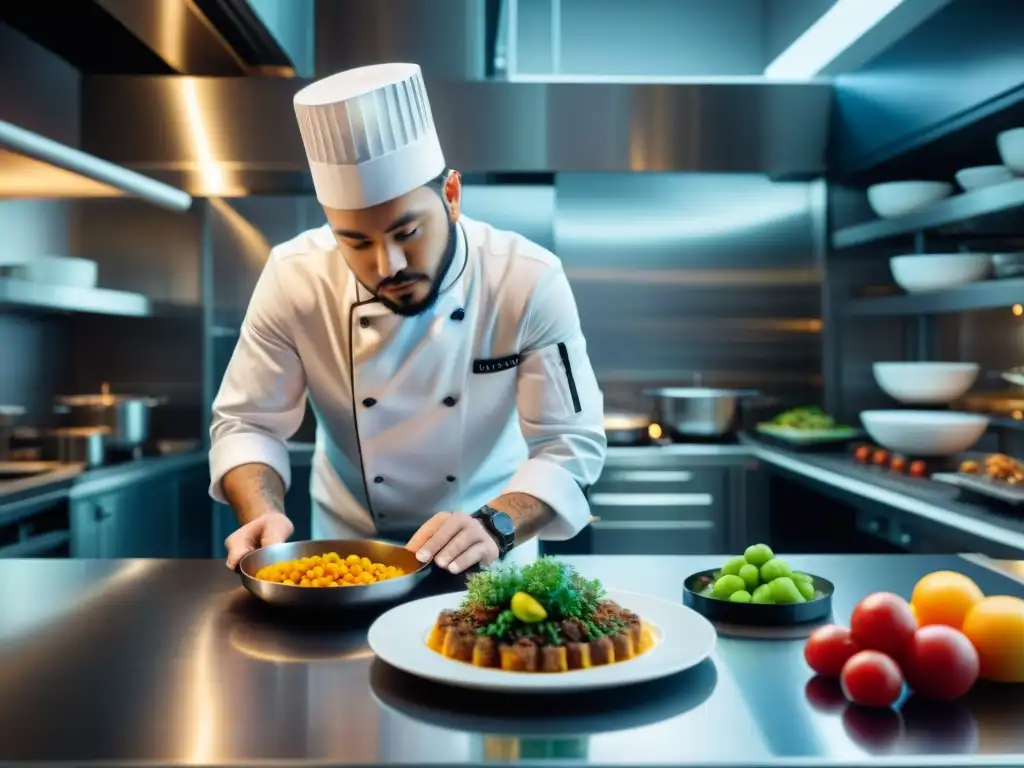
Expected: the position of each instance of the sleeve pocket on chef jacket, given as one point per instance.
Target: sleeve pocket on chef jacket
(552, 380)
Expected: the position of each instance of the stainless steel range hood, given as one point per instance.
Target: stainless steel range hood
(186, 37)
(236, 136)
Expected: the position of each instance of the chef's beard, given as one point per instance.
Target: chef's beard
(408, 307)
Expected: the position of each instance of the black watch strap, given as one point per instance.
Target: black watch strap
(500, 526)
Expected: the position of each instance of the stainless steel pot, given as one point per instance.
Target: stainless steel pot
(125, 416)
(627, 428)
(699, 411)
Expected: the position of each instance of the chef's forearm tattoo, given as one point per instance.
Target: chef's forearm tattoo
(253, 490)
(529, 513)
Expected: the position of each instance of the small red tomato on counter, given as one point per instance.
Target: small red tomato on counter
(872, 679)
(863, 454)
(918, 469)
(898, 464)
(881, 458)
(828, 649)
(940, 663)
(883, 622)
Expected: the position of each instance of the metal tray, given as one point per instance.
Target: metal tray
(983, 486)
(360, 595)
(749, 613)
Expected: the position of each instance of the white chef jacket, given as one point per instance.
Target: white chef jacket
(488, 392)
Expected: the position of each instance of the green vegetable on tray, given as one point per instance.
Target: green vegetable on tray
(806, 417)
(758, 576)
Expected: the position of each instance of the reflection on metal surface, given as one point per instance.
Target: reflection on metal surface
(248, 240)
(676, 275)
(147, 674)
(483, 126)
(46, 151)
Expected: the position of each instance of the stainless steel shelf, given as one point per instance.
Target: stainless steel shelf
(63, 298)
(988, 294)
(957, 210)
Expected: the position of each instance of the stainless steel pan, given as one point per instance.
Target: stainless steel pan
(699, 411)
(627, 428)
(328, 598)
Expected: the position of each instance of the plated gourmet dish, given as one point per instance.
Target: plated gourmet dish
(543, 617)
(329, 570)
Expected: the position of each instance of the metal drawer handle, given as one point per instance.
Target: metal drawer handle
(650, 476)
(654, 525)
(651, 499)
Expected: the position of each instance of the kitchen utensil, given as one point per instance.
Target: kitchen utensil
(917, 273)
(685, 639)
(1011, 149)
(1006, 265)
(898, 198)
(756, 613)
(126, 416)
(982, 176)
(984, 487)
(925, 383)
(338, 597)
(54, 270)
(924, 433)
(628, 428)
(698, 411)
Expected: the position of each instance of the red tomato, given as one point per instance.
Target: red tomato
(883, 622)
(828, 649)
(871, 679)
(941, 663)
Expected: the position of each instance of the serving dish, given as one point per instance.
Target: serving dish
(925, 383)
(483, 639)
(898, 198)
(356, 595)
(981, 176)
(924, 433)
(1011, 149)
(751, 613)
(919, 273)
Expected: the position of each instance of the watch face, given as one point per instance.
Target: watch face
(503, 524)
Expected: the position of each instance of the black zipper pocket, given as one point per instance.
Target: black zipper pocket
(563, 352)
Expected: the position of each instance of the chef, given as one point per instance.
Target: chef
(456, 407)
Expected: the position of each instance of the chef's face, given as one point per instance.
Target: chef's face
(401, 250)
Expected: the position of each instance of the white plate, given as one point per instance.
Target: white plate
(685, 639)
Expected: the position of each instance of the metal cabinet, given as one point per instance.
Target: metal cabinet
(657, 503)
(137, 520)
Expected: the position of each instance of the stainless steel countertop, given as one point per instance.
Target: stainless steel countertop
(171, 662)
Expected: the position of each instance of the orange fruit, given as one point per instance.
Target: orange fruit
(995, 626)
(944, 597)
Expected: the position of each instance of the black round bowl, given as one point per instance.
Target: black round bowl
(756, 613)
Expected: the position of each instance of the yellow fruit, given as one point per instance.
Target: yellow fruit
(526, 608)
(995, 626)
(944, 597)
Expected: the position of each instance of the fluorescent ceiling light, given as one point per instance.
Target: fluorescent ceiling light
(842, 25)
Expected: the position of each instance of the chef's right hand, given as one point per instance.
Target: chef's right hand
(271, 528)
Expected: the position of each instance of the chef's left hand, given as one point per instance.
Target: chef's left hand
(454, 541)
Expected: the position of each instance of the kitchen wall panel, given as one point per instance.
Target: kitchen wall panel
(39, 91)
(693, 278)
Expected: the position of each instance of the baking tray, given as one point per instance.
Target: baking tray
(986, 488)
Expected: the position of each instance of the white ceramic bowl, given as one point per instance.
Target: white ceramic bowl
(1011, 149)
(924, 433)
(925, 383)
(982, 176)
(917, 273)
(898, 198)
(56, 270)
